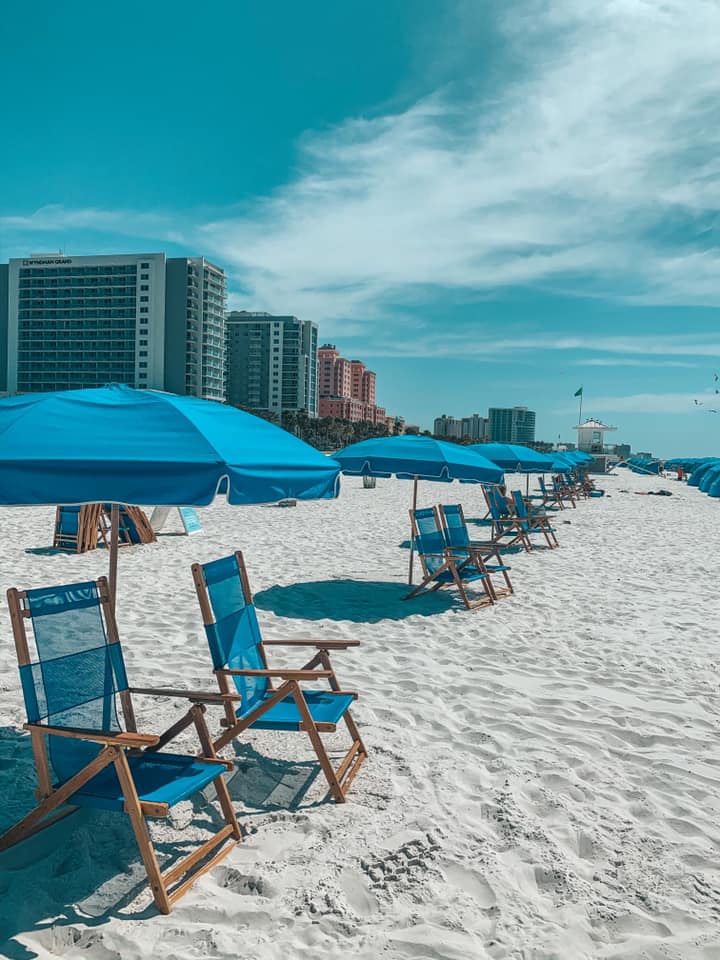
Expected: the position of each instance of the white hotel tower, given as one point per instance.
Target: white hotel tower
(139, 319)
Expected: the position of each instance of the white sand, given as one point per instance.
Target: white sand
(543, 776)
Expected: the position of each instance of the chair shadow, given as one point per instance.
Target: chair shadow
(359, 601)
(84, 870)
(265, 783)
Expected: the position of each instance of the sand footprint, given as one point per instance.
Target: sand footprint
(472, 883)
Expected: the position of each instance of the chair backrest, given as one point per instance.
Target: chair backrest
(429, 538)
(496, 503)
(454, 526)
(71, 667)
(520, 508)
(231, 623)
(541, 481)
(67, 520)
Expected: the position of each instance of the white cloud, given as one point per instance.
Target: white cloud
(634, 362)
(593, 164)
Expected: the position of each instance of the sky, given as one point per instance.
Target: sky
(490, 203)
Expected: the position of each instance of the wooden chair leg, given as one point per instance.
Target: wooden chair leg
(316, 740)
(142, 834)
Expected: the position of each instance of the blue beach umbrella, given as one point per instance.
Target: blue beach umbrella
(119, 445)
(514, 457)
(416, 458)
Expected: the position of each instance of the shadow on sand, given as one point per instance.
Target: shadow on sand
(360, 601)
(86, 869)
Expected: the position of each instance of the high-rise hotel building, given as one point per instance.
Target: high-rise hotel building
(271, 362)
(140, 319)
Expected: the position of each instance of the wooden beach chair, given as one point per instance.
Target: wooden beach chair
(441, 566)
(133, 524)
(239, 657)
(73, 674)
(79, 528)
(507, 531)
(458, 540)
(549, 497)
(564, 490)
(534, 521)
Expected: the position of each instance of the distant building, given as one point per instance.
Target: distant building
(475, 427)
(348, 390)
(591, 436)
(139, 319)
(511, 424)
(271, 362)
(447, 427)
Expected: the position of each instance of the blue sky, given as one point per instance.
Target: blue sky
(490, 203)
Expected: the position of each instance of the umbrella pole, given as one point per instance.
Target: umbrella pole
(527, 484)
(412, 545)
(114, 537)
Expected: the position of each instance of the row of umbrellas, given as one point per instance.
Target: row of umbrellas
(119, 445)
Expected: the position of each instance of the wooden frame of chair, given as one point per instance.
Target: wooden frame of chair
(480, 551)
(453, 565)
(508, 526)
(339, 778)
(548, 497)
(89, 527)
(563, 490)
(168, 887)
(537, 522)
(136, 516)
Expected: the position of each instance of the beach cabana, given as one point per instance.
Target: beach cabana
(417, 458)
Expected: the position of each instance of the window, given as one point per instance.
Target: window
(142, 343)
(144, 276)
(143, 363)
(144, 286)
(143, 353)
(144, 299)
(144, 266)
(143, 309)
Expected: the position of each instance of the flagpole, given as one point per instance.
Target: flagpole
(580, 415)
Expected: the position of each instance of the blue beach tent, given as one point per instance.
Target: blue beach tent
(700, 471)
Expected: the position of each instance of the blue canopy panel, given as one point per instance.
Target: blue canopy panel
(408, 457)
(116, 444)
(514, 457)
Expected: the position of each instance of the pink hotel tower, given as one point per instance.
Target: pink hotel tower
(347, 389)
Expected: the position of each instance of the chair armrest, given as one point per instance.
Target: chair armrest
(122, 739)
(320, 644)
(196, 696)
(281, 674)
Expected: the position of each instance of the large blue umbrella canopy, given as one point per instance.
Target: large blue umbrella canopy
(514, 457)
(116, 444)
(119, 445)
(416, 458)
(577, 456)
(410, 457)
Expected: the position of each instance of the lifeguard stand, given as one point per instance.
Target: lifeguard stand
(591, 436)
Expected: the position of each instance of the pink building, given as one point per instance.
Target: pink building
(347, 389)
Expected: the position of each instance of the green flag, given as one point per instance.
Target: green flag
(578, 393)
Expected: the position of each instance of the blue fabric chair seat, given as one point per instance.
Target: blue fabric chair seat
(159, 778)
(467, 572)
(325, 707)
